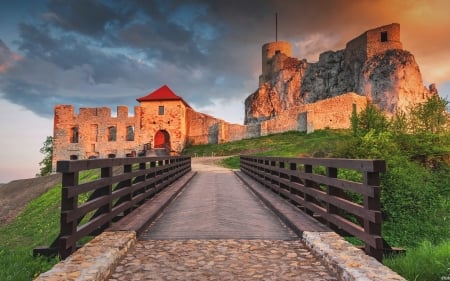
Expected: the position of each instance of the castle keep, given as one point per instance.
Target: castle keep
(292, 95)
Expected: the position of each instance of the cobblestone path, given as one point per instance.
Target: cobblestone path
(216, 229)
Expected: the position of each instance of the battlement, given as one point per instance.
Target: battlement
(92, 112)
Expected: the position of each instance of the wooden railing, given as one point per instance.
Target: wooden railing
(124, 184)
(315, 186)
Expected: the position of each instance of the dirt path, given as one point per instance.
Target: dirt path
(16, 194)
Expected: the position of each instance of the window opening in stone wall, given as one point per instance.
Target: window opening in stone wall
(73, 157)
(161, 110)
(74, 135)
(384, 36)
(112, 133)
(111, 155)
(130, 133)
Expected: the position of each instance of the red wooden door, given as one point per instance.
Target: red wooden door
(160, 139)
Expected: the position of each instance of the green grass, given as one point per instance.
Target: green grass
(427, 262)
(36, 225)
(290, 144)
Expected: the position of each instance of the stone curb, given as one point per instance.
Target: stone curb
(347, 261)
(94, 261)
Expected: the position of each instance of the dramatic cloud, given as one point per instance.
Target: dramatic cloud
(7, 58)
(105, 53)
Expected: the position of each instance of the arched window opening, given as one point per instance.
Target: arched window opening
(73, 157)
(130, 133)
(74, 135)
(111, 155)
(112, 133)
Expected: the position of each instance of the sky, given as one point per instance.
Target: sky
(91, 53)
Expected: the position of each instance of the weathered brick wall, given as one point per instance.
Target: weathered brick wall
(374, 44)
(92, 125)
(268, 51)
(233, 132)
(288, 120)
(183, 125)
(173, 121)
(333, 113)
(201, 128)
(369, 43)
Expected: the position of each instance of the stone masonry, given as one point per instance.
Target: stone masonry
(292, 95)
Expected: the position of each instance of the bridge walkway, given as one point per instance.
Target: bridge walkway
(217, 229)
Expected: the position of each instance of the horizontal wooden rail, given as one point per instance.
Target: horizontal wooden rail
(312, 184)
(123, 184)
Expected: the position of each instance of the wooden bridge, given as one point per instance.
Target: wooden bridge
(275, 219)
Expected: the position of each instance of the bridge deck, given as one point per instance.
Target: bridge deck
(217, 229)
(217, 205)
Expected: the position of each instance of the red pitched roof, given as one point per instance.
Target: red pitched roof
(162, 94)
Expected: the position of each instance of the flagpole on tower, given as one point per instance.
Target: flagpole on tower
(276, 27)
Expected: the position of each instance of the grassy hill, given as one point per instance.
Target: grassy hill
(415, 197)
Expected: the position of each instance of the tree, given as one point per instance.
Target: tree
(370, 119)
(46, 163)
(431, 116)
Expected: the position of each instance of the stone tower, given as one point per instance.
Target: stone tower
(269, 50)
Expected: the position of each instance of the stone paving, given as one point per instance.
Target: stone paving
(220, 260)
(218, 230)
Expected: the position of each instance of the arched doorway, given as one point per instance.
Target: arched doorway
(162, 140)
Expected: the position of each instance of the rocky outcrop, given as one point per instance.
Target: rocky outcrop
(279, 93)
(393, 81)
(372, 65)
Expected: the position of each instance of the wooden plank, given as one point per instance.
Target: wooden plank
(353, 164)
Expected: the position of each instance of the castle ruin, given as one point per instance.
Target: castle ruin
(292, 95)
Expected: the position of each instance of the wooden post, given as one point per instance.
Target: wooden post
(373, 203)
(332, 191)
(308, 184)
(106, 172)
(68, 205)
(292, 178)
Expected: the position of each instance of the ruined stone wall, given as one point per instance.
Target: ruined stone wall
(372, 42)
(288, 120)
(232, 132)
(201, 128)
(375, 44)
(333, 113)
(92, 127)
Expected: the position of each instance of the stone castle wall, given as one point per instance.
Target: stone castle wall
(332, 113)
(183, 124)
(372, 42)
(91, 125)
